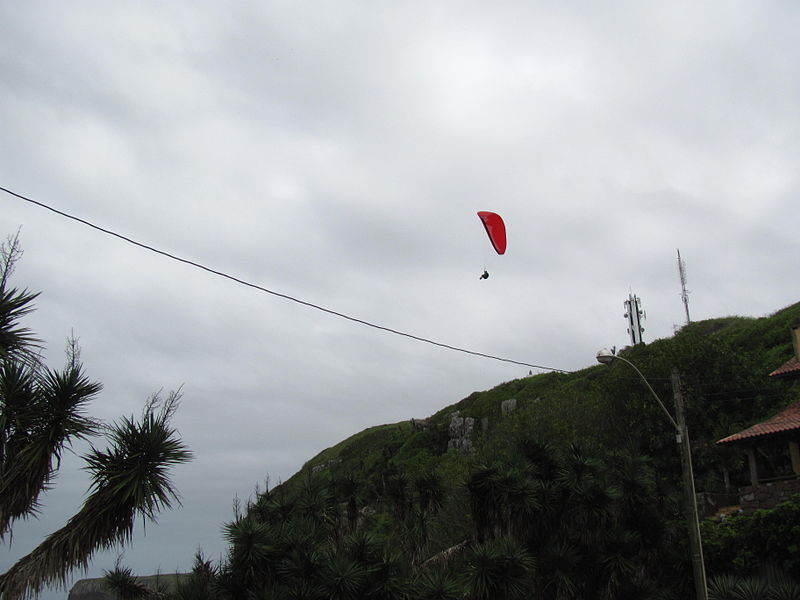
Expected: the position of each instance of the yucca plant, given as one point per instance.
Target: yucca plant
(126, 586)
(344, 578)
(784, 590)
(386, 579)
(129, 479)
(42, 412)
(201, 584)
(435, 584)
(752, 588)
(499, 570)
(297, 590)
(16, 342)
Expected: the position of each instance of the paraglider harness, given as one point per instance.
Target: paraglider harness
(485, 274)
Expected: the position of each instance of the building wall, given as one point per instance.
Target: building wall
(767, 495)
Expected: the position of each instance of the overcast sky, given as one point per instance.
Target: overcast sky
(337, 152)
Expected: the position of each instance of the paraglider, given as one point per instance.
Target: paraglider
(496, 230)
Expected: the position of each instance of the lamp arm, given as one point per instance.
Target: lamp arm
(652, 391)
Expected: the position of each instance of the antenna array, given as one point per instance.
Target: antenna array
(634, 315)
(684, 291)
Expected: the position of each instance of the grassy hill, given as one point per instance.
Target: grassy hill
(562, 485)
(723, 363)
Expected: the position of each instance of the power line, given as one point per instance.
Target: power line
(272, 292)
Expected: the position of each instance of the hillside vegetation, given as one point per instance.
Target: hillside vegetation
(723, 363)
(553, 486)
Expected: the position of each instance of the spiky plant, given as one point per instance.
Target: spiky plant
(16, 342)
(430, 491)
(126, 586)
(752, 588)
(500, 570)
(362, 546)
(251, 546)
(344, 578)
(41, 412)
(299, 590)
(435, 584)
(386, 578)
(201, 584)
(785, 590)
(129, 479)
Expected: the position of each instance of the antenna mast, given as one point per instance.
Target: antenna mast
(634, 315)
(684, 291)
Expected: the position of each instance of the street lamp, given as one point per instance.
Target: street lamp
(606, 357)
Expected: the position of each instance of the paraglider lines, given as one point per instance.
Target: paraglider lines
(273, 292)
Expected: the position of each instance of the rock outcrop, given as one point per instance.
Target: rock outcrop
(91, 589)
(508, 406)
(96, 589)
(460, 431)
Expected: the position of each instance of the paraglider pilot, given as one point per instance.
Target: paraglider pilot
(496, 230)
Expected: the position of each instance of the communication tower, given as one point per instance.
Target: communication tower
(634, 315)
(684, 291)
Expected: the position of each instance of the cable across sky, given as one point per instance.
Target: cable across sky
(273, 292)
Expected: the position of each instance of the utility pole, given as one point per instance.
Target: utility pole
(693, 521)
(684, 291)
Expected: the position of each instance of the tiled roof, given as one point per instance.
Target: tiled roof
(790, 367)
(784, 421)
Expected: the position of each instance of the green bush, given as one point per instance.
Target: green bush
(741, 544)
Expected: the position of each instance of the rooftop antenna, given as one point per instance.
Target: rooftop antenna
(684, 291)
(634, 315)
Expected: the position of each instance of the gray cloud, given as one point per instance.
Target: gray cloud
(337, 152)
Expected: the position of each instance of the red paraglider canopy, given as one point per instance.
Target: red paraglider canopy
(496, 229)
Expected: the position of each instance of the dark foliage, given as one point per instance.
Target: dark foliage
(42, 412)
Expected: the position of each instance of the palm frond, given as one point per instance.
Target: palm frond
(42, 411)
(344, 578)
(501, 569)
(130, 478)
(436, 584)
(14, 339)
(752, 588)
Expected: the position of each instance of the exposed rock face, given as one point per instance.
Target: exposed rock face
(508, 406)
(420, 424)
(91, 589)
(325, 465)
(96, 589)
(460, 431)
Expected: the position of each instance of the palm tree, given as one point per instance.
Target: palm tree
(395, 489)
(347, 487)
(129, 479)
(485, 486)
(16, 342)
(202, 582)
(435, 584)
(251, 547)
(386, 576)
(430, 491)
(500, 570)
(42, 411)
(126, 586)
(344, 578)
